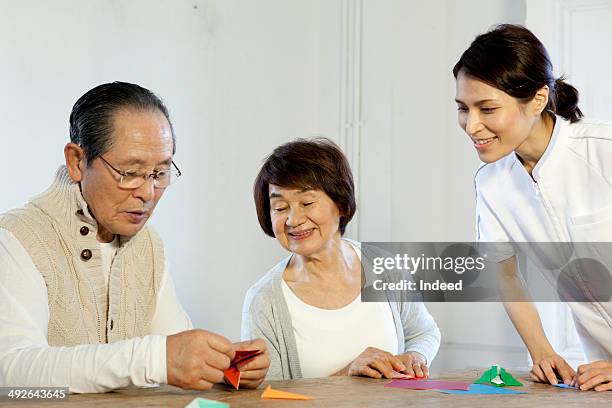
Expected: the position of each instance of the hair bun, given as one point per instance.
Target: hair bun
(566, 101)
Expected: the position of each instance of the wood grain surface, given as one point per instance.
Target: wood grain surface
(340, 392)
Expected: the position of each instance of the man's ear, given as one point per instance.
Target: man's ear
(75, 158)
(540, 100)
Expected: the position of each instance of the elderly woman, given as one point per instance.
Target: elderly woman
(308, 307)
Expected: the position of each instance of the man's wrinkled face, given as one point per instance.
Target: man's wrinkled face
(141, 143)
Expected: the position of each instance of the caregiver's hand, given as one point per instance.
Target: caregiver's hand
(597, 376)
(546, 369)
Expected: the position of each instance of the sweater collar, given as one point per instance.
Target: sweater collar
(64, 202)
(63, 199)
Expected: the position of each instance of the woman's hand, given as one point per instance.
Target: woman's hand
(416, 364)
(597, 375)
(375, 363)
(546, 369)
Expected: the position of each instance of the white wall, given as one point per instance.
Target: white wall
(238, 77)
(417, 165)
(241, 77)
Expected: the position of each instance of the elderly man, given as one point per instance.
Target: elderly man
(86, 300)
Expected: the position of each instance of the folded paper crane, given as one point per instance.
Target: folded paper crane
(232, 374)
(499, 377)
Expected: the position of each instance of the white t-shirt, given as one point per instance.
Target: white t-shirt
(329, 340)
(108, 252)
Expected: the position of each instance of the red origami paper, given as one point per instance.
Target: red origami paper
(232, 374)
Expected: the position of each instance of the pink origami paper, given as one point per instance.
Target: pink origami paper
(428, 385)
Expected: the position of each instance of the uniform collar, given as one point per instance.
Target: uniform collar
(553, 144)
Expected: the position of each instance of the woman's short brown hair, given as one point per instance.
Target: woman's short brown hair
(313, 164)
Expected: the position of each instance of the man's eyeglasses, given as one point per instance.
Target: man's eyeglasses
(161, 179)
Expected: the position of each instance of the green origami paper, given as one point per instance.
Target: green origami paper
(206, 403)
(498, 377)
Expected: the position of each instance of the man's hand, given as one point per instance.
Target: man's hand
(416, 364)
(597, 375)
(196, 359)
(547, 368)
(254, 371)
(375, 363)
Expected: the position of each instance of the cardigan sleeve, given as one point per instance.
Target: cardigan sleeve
(418, 327)
(421, 333)
(257, 322)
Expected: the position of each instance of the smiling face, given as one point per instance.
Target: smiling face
(304, 222)
(141, 143)
(497, 123)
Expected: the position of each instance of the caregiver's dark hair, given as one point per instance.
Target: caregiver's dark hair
(509, 57)
(316, 164)
(91, 120)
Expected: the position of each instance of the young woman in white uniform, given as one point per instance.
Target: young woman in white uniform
(546, 177)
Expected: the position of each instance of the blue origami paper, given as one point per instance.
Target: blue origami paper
(561, 385)
(476, 389)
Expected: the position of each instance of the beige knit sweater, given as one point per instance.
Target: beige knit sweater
(59, 234)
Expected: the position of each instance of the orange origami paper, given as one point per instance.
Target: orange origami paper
(269, 393)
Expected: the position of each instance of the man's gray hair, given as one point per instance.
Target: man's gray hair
(91, 119)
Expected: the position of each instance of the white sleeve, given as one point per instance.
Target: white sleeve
(26, 359)
(490, 231)
(169, 317)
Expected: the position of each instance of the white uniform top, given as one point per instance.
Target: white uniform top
(569, 199)
(329, 340)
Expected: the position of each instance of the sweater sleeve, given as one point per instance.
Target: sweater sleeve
(421, 333)
(419, 329)
(257, 322)
(26, 359)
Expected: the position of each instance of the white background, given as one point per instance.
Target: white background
(241, 77)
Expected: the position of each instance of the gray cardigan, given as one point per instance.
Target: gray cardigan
(265, 315)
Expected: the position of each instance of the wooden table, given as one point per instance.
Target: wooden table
(341, 392)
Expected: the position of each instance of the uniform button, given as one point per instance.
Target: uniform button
(84, 230)
(80, 212)
(86, 254)
(111, 325)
